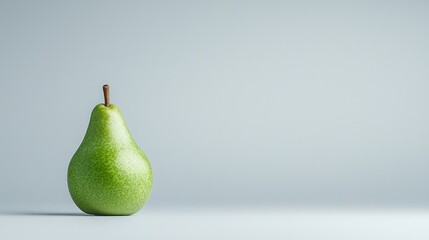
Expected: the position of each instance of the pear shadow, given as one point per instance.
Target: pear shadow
(35, 213)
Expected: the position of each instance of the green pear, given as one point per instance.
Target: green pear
(109, 174)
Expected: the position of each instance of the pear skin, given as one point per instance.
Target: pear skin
(109, 174)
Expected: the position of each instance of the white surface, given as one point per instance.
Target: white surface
(222, 224)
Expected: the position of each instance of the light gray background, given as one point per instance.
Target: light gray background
(235, 103)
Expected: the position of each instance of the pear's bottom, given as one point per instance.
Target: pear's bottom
(116, 200)
(107, 187)
(111, 207)
(110, 211)
(102, 214)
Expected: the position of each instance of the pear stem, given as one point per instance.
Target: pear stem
(106, 95)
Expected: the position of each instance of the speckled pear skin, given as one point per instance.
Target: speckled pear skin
(109, 174)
